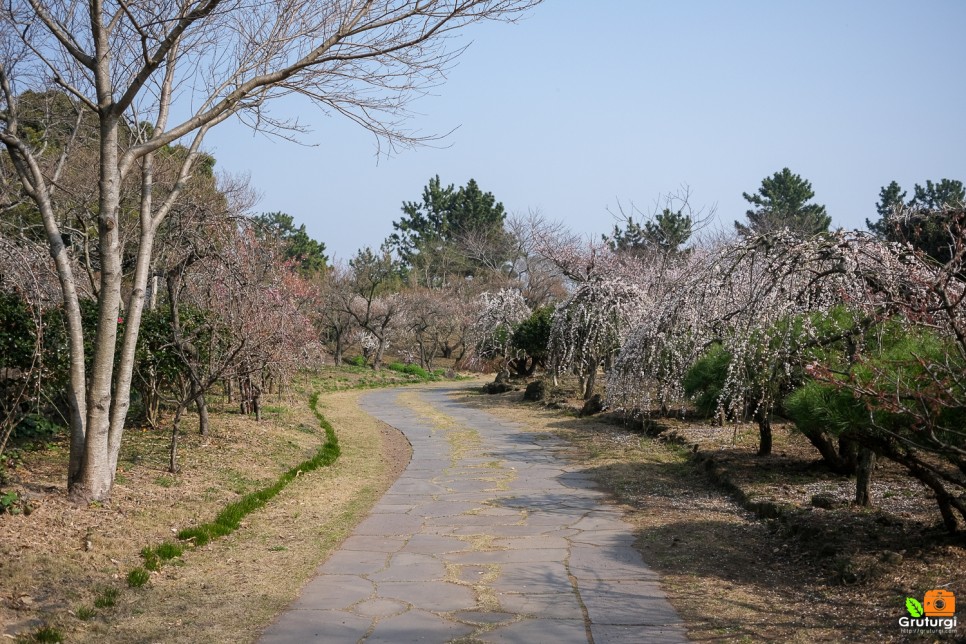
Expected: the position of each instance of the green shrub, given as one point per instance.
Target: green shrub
(411, 369)
(36, 427)
(356, 361)
(9, 503)
(705, 379)
(532, 336)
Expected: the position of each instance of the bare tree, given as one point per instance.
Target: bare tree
(136, 69)
(332, 318)
(541, 282)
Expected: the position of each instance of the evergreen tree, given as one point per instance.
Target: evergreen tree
(891, 199)
(432, 235)
(667, 232)
(782, 202)
(936, 196)
(923, 220)
(308, 253)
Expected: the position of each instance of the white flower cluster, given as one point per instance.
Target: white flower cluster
(499, 314)
(766, 301)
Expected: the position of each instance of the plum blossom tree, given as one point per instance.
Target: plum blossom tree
(335, 323)
(610, 291)
(373, 300)
(499, 314)
(752, 299)
(251, 324)
(903, 387)
(588, 329)
(878, 322)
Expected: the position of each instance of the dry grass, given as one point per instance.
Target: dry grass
(737, 578)
(56, 563)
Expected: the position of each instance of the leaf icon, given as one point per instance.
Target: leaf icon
(914, 607)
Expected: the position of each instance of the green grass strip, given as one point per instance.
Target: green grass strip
(231, 516)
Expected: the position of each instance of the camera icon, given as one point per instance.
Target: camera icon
(939, 603)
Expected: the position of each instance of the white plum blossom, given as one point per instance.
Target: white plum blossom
(499, 314)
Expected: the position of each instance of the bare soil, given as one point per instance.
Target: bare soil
(744, 555)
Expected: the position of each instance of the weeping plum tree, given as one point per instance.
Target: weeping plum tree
(151, 74)
(611, 292)
(741, 317)
(875, 331)
(498, 315)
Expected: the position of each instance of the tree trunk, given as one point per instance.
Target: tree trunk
(825, 445)
(377, 359)
(203, 422)
(849, 452)
(764, 432)
(863, 477)
(173, 448)
(152, 400)
(422, 354)
(245, 394)
(96, 475)
(591, 381)
(337, 353)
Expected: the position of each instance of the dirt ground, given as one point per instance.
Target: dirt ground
(61, 564)
(744, 553)
(805, 574)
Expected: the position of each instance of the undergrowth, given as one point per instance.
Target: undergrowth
(230, 518)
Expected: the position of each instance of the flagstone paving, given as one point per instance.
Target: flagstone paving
(488, 536)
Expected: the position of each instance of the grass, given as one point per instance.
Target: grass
(138, 577)
(44, 634)
(107, 597)
(298, 527)
(164, 481)
(349, 376)
(155, 556)
(229, 519)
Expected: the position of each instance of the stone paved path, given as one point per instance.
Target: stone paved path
(488, 536)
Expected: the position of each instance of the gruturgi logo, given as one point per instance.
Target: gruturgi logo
(936, 613)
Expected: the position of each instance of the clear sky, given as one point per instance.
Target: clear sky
(584, 104)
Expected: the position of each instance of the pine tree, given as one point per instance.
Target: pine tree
(782, 202)
(432, 235)
(891, 199)
(923, 220)
(308, 253)
(667, 231)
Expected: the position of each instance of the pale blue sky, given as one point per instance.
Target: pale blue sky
(586, 103)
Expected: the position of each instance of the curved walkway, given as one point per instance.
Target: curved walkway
(488, 536)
